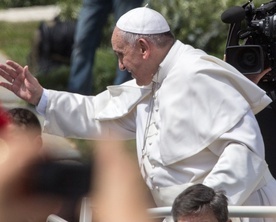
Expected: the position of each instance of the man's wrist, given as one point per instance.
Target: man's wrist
(42, 104)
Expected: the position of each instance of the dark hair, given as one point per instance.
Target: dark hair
(25, 119)
(198, 199)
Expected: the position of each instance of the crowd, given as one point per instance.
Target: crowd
(20, 151)
(192, 116)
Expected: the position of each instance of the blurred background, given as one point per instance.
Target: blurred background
(27, 42)
(194, 22)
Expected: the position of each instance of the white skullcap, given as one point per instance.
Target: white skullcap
(143, 20)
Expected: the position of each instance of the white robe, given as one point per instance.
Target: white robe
(198, 120)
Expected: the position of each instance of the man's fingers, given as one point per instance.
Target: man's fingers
(266, 71)
(7, 73)
(18, 68)
(10, 73)
(6, 85)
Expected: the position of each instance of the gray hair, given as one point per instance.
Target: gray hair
(160, 40)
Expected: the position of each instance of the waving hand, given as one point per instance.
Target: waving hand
(21, 82)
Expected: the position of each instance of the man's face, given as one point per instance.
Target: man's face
(132, 58)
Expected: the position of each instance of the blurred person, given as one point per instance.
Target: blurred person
(18, 201)
(25, 119)
(200, 203)
(25, 123)
(92, 18)
(25, 128)
(192, 114)
(119, 193)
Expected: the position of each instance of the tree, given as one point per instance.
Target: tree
(198, 22)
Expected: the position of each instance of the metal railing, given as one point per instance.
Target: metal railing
(234, 211)
(160, 212)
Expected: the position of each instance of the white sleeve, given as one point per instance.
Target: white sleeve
(41, 107)
(75, 116)
(241, 163)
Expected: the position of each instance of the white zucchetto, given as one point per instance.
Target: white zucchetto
(143, 20)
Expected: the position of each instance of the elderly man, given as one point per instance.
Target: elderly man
(192, 115)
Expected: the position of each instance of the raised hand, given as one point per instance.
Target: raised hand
(21, 82)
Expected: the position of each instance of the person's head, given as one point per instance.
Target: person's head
(24, 124)
(199, 203)
(141, 40)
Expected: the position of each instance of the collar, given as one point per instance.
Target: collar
(166, 64)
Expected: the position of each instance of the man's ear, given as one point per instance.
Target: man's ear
(144, 47)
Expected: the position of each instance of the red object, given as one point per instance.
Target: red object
(4, 118)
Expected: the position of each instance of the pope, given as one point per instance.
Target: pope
(192, 115)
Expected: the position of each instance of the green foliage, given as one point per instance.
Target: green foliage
(56, 79)
(24, 3)
(198, 22)
(69, 9)
(195, 22)
(105, 69)
(85, 147)
(16, 39)
(104, 73)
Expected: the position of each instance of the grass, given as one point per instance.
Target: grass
(16, 39)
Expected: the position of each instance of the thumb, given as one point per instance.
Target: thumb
(26, 72)
(33, 87)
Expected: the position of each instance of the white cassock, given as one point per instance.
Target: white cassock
(194, 124)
